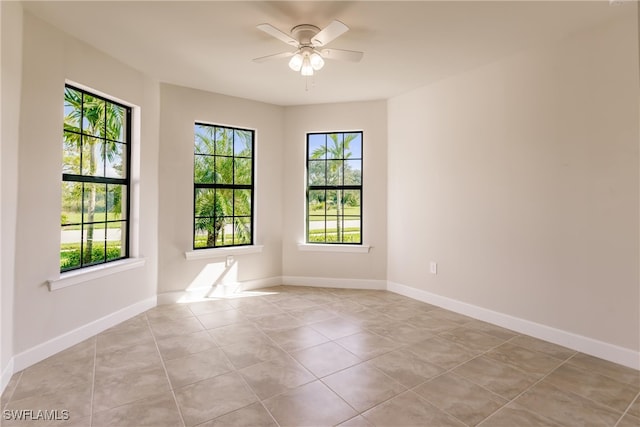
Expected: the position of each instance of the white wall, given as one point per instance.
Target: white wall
(520, 179)
(371, 118)
(181, 108)
(50, 57)
(11, 36)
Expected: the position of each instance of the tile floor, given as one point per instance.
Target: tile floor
(295, 356)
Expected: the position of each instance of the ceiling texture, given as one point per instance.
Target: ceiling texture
(210, 45)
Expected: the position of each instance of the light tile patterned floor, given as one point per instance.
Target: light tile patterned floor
(295, 356)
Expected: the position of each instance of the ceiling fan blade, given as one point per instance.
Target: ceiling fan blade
(329, 33)
(342, 55)
(273, 31)
(275, 56)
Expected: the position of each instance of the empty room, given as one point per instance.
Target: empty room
(320, 213)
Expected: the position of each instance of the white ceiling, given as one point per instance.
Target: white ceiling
(209, 44)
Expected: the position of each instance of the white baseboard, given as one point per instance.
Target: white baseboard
(325, 282)
(218, 291)
(7, 373)
(42, 351)
(603, 350)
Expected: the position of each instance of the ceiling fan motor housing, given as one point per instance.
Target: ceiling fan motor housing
(304, 33)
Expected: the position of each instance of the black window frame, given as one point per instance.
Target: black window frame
(333, 187)
(225, 186)
(82, 179)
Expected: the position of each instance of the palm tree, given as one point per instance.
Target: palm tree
(338, 149)
(90, 116)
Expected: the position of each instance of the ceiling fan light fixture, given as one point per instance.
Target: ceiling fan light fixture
(296, 62)
(316, 61)
(307, 69)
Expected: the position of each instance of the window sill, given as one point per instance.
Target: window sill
(222, 252)
(75, 277)
(314, 247)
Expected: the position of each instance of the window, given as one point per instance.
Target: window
(95, 180)
(334, 187)
(223, 186)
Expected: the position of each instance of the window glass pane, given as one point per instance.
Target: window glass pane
(94, 202)
(71, 153)
(115, 156)
(70, 237)
(201, 235)
(317, 146)
(204, 139)
(353, 146)
(71, 203)
(335, 146)
(242, 233)
(203, 169)
(242, 143)
(224, 202)
(317, 173)
(334, 172)
(225, 234)
(223, 170)
(93, 120)
(116, 240)
(316, 202)
(316, 228)
(331, 203)
(93, 236)
(351, 202)
(351, 231)
(224, 142)
(205, 202)
(72, 109)
(332, 230)
(242, 203)
(352, 172)
(92, 156)
(116, 195)
(243, 171)
(115, 123)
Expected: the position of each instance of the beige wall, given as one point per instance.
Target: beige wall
(11, 36)
(370, 117)
(520, 179)
(181, 108)
(50, 57)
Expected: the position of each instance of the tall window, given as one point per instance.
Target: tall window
(95, 180)
(334, 187)
(223, 186)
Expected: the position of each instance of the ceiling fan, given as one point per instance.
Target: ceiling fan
(309, 41)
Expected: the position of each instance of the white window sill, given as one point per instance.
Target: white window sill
(315, 247)
(76, 277)
(222, 252)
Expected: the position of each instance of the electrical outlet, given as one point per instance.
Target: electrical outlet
(229, 260)
(433, 267)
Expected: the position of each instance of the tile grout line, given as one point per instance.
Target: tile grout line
(626, 411)
(528, 389)
(589, 398)
(450, 371)
(166, 374)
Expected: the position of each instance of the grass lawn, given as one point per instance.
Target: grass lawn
(76, 217)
